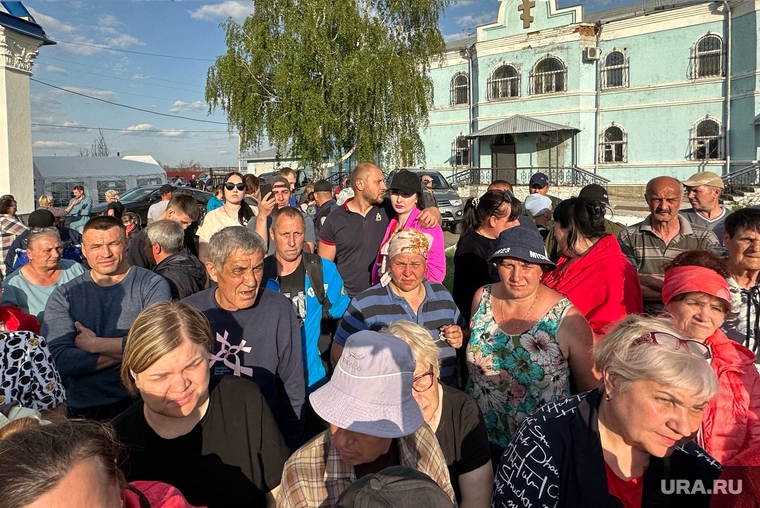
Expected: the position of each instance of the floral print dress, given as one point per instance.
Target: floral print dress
(511, 376)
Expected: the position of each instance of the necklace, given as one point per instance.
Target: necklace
(525, 317)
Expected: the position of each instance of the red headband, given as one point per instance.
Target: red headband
(694, 279)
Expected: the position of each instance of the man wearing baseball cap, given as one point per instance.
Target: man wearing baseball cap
(156, 209)
(323, 195)
(540, 208)
(539, 184)
(375, 423)
(281, 194)
(703, 190)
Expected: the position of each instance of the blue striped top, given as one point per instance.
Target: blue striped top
(379, 306)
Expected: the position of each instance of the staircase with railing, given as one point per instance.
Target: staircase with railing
(558, 176)
(741, 181)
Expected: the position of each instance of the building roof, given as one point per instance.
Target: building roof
(518, 124)
(84, 167)
(465, 42)
(14, 16)
(270, 154)
(639, 9)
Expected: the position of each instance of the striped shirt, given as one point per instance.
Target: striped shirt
(648, 252)
(379, 306)
(315, 476)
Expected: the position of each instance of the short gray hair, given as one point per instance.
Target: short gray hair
(35, 234)
(166, 233)
(677, 368)
(226, 241)
(419, 339)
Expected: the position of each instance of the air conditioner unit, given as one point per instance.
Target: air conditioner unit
(592, 53)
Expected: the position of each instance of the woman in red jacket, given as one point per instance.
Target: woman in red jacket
(592, 271)
(699, 299)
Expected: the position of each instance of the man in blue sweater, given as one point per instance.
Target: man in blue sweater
(87, 319)
(256, 333)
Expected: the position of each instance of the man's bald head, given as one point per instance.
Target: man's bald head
(361, 172)
(663, 182)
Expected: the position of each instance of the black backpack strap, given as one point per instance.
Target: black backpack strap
(313, 266)
(270, 270)
(144, 503)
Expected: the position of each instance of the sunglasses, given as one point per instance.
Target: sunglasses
(506, 197)
(673, 342)
(229, 186)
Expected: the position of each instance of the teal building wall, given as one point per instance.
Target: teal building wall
(657, 109)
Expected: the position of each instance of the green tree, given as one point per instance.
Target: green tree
(330, 77)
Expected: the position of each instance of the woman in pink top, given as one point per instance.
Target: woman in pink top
(406, 198)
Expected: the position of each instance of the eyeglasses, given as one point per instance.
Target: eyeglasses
(229, 186)
(423, 382)
(673, 342)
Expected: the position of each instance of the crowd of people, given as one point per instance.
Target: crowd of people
(310, 355)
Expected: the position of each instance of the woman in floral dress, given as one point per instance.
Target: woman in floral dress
(526, 340)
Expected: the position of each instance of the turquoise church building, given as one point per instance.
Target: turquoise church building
(620, 95)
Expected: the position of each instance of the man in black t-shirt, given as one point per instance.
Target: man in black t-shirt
(352, 234)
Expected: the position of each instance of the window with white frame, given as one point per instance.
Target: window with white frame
(549, 75)
(613, 145)
(460, 151)
(707, 57)
(615, 70)
(460, 89)
(504, 83)
(706, 140)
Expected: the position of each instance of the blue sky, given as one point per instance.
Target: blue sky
(98, 54)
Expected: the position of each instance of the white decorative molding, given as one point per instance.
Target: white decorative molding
(17, 53)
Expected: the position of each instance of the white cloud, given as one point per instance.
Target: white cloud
(453, 37)
(108, 20)
(141, 127)
(182, 106)
(139, 76)
(81, 50)
(473, 21)
(57, 70)
(222, 152)
(52, 144)
(464, 3)
(124, 41)
(49, 23)
(76, 5)
(172, 133)
(238, 10)
(107, 95)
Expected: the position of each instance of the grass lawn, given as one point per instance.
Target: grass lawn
(449, 280)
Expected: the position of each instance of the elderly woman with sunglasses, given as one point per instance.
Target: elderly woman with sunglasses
(699, 299)
(234, 212)
(627, 443)
(453, 416)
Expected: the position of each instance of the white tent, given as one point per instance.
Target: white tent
(57, 176)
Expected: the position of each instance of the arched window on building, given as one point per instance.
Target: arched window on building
(613, 145)
(460, 151)
(615, 70)
(460, 89)
(706, 139)
(707, 57)
(504, 83)
(549, 75)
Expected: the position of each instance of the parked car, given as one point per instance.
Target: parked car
(448, 200)
(139, 199)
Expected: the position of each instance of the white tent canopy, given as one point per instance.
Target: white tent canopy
(57, 176)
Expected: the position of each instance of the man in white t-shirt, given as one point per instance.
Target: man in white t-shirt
(156, 209)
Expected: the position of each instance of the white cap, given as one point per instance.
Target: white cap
(537, 204)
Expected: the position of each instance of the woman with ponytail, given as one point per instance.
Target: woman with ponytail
(484, 219)
(592, 270)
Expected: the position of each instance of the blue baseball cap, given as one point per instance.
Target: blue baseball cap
(539, 179)
(525, 244)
